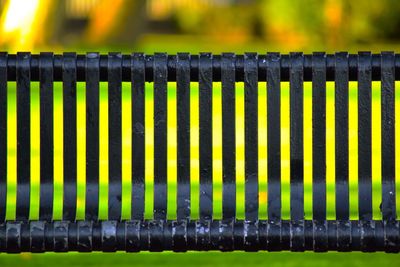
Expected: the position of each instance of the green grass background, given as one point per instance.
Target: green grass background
(239, 259)
(201, 259)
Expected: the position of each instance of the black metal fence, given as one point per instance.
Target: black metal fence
(206, 233)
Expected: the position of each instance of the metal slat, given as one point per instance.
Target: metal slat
(23, 136)
(388, 137)
(205, 136)
(228, 136)
(92, 136)
(274, 135)
(364, 136)
(319, 136)
(296, 138)
(228, 151)
(274, 150)
(70, 135)
(138, 136)
(251, 239)
(46, 137)
(342, 136)
(160, 136)
(365, 149)
(114, 137)
(296, 152)
(319, 152)
(344, 226)
(251, 136)
(3, 135)
(183, 136)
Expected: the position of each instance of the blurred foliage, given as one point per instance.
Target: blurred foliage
(283, 24)
(330, 23)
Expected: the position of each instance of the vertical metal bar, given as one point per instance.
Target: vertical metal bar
(274, 135)
(296, 137)
(364, 136)
(205, 136)
(23, 136)
(3, 135)
(114, 136)
(138, 135)
(228, 136)
(388, 136)
(183, 135)
(251, 135)
(46, 136)
(319, 135)
(160, 135)
(70, 143)
(92, 135)
(342, 135)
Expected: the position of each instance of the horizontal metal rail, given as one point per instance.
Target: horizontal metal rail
(223, 235)
(57, 60)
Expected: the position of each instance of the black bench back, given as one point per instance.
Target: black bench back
(203, 233)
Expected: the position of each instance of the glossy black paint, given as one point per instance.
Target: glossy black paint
(206, 233)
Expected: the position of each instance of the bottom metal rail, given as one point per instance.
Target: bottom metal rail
(179, 236)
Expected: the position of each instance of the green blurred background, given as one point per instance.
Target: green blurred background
(198, 26)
